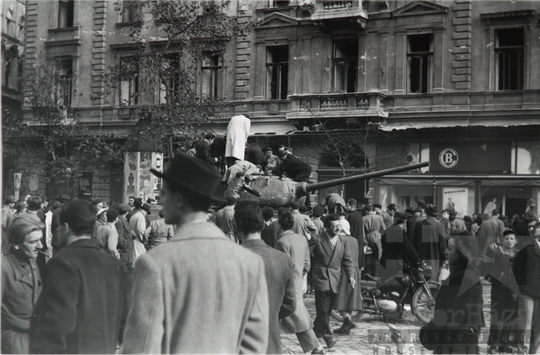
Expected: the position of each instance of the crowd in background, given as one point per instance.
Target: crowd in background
(64, 258)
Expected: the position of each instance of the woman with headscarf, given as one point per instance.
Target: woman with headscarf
(455, 327)
(21, 283)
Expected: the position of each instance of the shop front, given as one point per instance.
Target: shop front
(469, 177)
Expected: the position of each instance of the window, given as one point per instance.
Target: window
(420, 54)
(277, 68)
(64, 82)
(345, 63)
(129, 11)
(10, 22)
(211, 75)
(129, 82)
(509, 50)
(278, 3)
(66, 10)
(169, 81)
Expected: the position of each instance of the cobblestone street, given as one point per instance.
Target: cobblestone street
(358, 341)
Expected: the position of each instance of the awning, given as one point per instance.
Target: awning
(402, 124)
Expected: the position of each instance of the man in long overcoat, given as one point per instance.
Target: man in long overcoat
(331, 253)
(237, 134)
(198, 293)
(83, 306)
(278, 268)
(429, 241)
(490, 232)
(296, 246)
(373, 227)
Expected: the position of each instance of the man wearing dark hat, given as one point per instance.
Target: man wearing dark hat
(198, 293)
(429, 241)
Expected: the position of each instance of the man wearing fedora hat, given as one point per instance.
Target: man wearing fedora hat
(199, 292)
(429, 240)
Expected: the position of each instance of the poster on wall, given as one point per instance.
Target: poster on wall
(85, 186)
(456, 199)
(17, 178)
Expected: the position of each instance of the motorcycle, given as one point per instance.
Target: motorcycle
(388, 298)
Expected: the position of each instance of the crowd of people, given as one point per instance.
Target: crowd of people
(81, 277)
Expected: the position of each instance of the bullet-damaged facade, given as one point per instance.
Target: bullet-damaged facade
(453, 82)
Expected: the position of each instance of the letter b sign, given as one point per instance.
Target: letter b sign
(448, 158)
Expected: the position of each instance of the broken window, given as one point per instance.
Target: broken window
(420, 54)
(169, 81)
(277, 68)
(129, 11)
(64, 85)
(345, 63)
(509, 50)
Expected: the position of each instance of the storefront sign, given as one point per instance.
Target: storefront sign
(471, 157)
(455, 199)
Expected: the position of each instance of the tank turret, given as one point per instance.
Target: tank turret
(270, 190)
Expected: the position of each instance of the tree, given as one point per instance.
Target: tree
(54, 133)
(171, 78)
(343, 142)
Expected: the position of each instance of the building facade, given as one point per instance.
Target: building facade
(453, 82)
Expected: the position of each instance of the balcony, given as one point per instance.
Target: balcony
(333, 15)
(369, 104)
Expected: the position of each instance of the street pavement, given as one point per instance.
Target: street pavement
(372, 333)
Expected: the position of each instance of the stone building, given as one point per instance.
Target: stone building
(455, 82)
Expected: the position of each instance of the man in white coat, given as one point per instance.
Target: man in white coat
(237, 134)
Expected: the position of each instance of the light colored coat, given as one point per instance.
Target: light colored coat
(490, 232)
(296, 246)
(237, 134)
(137, 223)
(198, 293)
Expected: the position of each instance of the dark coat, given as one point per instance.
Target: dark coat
(204, 152)
(125, 242)
(83, 306)
(255, 155)
(278, 268)
(429, 241)
(396, 246)
(293, 168)
(356, 220)
(327, 262)
(271, 233)
(458, 313)
(526, 267)
(410, 227)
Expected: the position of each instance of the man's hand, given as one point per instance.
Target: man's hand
(353, 282)
(493, 246)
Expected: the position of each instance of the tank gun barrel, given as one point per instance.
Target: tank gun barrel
(304, 189)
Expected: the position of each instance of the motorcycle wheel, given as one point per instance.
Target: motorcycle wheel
(354, 315)
(422, 307)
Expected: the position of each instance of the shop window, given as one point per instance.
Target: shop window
(211, 75)
(509, 55)
(66, 11)
(129, 82)
(419, 56)
(277, 68)
(345, 64)
(129, 11)
(169, 81)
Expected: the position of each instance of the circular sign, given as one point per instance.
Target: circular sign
(448, 158)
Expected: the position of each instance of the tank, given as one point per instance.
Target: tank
(273, 191)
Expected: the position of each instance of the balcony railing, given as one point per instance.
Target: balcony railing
(337, 5)
(370, 104)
